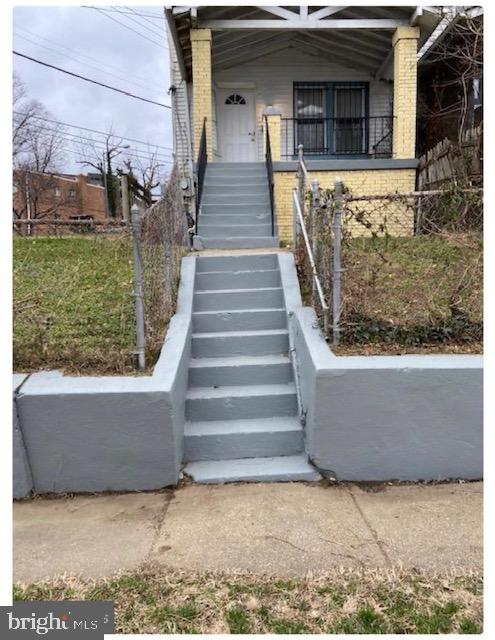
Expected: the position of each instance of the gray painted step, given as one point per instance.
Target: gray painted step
(230, 299)
(224, 439)
(235, 243)
(252, 185)
(249, 262)
(235, 207)
(237, 279)
(234, 231)
(276, 469)
(240, 343)
(234, 199)
(239, 320)
(233, 402)
(236, 371)
(235, 218)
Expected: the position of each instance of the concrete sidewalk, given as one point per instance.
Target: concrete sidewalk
(287, 529)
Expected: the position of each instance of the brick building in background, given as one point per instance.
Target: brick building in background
(39, 196)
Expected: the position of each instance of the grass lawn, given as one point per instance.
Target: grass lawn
(347, 601)
(73, 304)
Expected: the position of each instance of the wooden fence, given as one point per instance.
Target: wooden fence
(449, 160)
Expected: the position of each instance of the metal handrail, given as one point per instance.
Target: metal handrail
(309, 250)
(201, 170)
(269, 173)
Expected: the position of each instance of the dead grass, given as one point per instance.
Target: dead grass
(344, 601)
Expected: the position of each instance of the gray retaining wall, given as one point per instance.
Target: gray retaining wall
(366, 418)
(409, 417)
(108, 433)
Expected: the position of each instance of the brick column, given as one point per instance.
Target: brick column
(202, 92)
(274, 120)
(405, 44)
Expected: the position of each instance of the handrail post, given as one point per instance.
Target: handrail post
(337, 265)
(269, 172)
(138, 285)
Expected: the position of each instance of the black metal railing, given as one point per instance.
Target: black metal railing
(269, 172)
(338, 137)
(201, 169)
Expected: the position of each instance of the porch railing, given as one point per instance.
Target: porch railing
(269, 173)
(201, 170)
(338, 137)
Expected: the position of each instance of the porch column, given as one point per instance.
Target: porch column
(202, 91)
(274, 121)
(405, 45)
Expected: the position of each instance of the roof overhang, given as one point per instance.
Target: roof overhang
(356, 36)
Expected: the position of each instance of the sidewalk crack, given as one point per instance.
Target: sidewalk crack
(379, 543)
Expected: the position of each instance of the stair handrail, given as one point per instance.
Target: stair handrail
(201, 170)
(299, 197)
(269, 172)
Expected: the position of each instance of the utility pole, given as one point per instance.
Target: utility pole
(28, 201)
(105, 186)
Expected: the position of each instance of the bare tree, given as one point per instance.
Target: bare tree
(452, 76)
(37, 144)
(101, 155)
(146, 175)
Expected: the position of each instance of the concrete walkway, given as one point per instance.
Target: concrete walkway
(287, 529)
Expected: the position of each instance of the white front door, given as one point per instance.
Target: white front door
(236, 125)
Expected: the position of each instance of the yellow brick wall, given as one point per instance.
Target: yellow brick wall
(202, 89)
(274, 127)
(405, 43)
(370, 182)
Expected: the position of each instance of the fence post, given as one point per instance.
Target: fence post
(124, 188)
(138, 285)
(337, 264)
(313, 212)
(300, 176)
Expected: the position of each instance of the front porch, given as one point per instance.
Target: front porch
(341, 79)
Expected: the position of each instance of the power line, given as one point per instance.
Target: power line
(122, 24)
(141, 153)
(132, 18)
(101, 84)
(103, 133)
(102, 68)
(156, 16)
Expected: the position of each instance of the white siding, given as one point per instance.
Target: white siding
(180, 111)
(273, 76)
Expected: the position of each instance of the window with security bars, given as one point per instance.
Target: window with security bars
(331, 118)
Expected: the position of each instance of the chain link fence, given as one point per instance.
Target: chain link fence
(76, 287)
(410, 273)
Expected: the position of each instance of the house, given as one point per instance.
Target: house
(47, 196)
(341, 81)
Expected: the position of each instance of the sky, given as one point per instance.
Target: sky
(96, 44)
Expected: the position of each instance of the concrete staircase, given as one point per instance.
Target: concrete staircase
(241, 405)
(235, 208)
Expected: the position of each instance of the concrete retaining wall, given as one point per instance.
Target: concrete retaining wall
(22, 482)
(108, 433)
(410, 417)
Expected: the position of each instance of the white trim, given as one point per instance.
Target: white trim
(325, 12)
(220, 84)
(302, 23)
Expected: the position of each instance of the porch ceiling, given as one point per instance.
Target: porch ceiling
(358, 37)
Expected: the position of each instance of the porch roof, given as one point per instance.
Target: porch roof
(359, 37)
